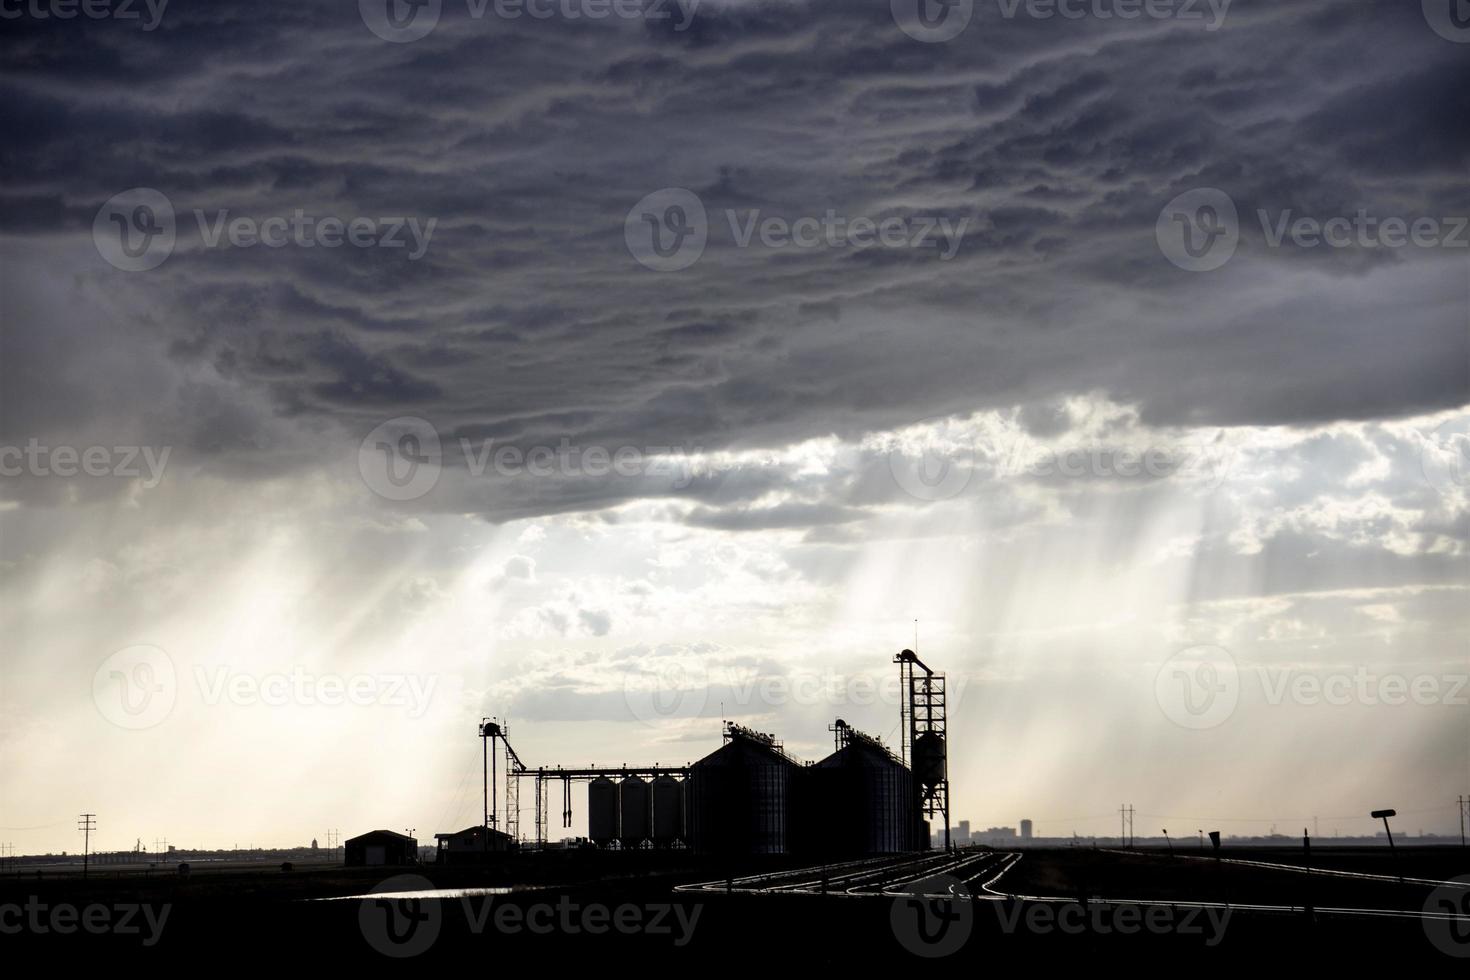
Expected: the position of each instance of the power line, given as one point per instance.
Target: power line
(42, 826)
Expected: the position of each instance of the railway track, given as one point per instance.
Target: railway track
(891, 875)
(976, 876)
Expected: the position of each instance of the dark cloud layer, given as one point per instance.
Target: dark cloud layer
(528, 321)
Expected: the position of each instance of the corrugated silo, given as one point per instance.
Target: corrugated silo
(868, 800)
(668, 809)
(602, 811)
(739, 796)
(634, 800)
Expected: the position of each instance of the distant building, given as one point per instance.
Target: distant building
(962, 832)
(1025, 829)
(378, 848)
(998, 834)
(471, 845)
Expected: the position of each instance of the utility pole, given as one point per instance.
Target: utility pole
(86, 823)
(1384, 815)
(485, 774)
(1307, 860)
(1464, 803)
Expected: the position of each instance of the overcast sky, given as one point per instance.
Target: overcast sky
(1002, 322)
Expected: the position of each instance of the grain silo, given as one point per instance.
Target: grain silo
(633, 807)
(740, 795)
(668, 810)
(860, 800)
(602, 811)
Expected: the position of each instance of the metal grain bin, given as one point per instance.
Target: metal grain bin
(602, 811)
(861, 801)
(668, 810)
(739, 797)
(634, 808)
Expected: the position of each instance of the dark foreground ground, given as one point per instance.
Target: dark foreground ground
(573, 908)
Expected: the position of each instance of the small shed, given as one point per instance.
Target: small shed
(380, 848)
(472, 844)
